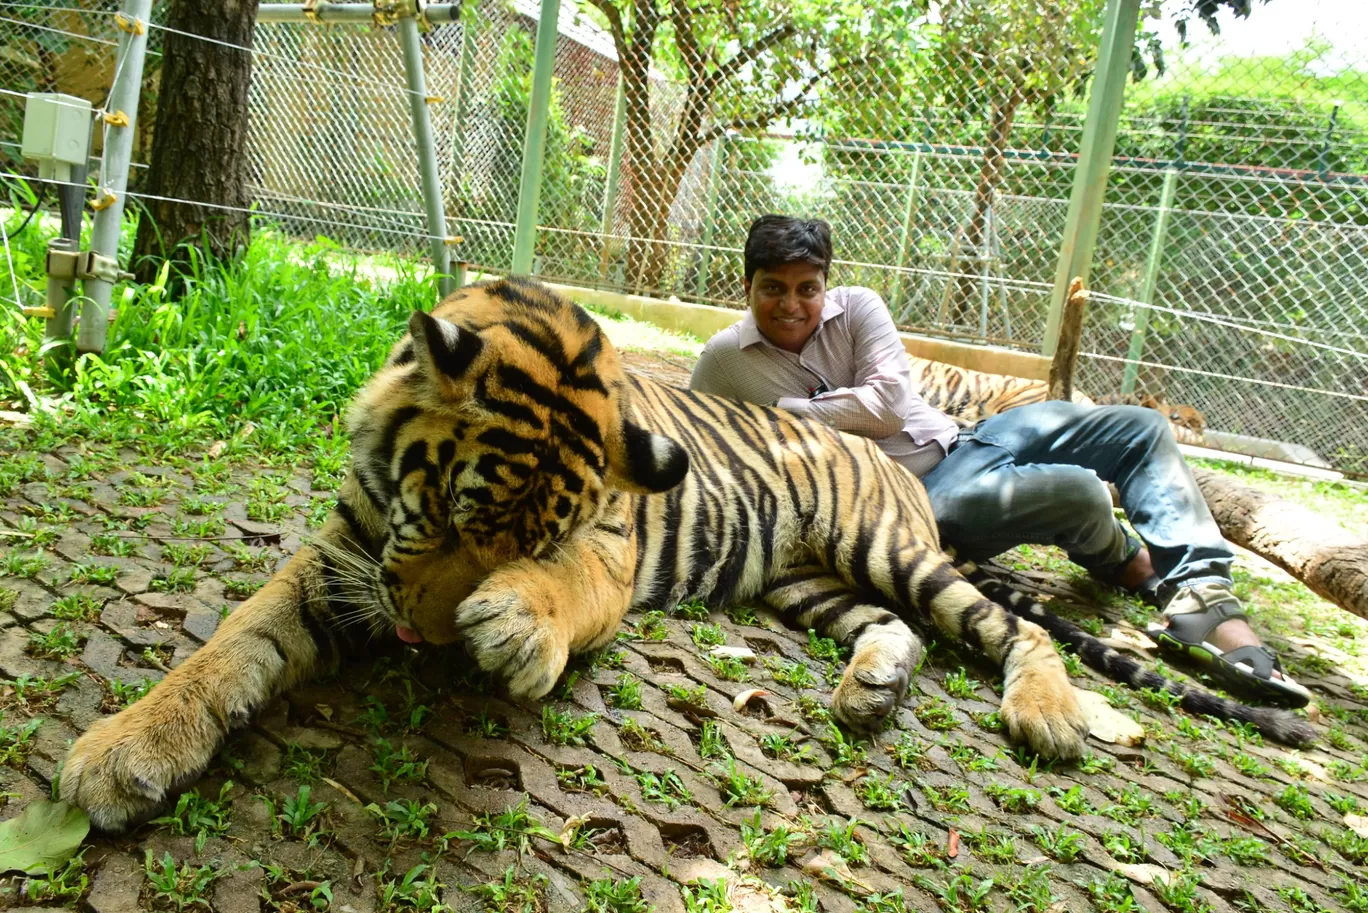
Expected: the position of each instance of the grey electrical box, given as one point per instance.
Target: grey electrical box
(56, 133)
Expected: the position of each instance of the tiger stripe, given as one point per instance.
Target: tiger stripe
(513, 489)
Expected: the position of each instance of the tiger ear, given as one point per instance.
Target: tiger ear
(443, 350)
(646, 462)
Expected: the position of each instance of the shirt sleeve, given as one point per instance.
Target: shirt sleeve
(709, 376)
(877, 404)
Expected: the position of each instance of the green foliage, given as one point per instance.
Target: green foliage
(186, 886)
(562, 727)
(198, 815)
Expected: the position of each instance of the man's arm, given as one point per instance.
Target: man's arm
(876, 405)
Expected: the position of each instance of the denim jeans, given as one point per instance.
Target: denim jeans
(1035, 475)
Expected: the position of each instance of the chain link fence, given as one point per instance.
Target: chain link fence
(1229, 270)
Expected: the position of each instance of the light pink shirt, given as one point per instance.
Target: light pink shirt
(856, 353)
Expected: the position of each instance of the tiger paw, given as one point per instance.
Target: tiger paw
(1040, 709)
(877, 676)
(512, 639)
(123, 769)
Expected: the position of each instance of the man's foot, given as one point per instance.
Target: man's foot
(1135, 576)
(1207, 622)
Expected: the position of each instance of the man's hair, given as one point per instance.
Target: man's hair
(775, 240)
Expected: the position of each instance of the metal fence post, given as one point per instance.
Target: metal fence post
(534, 143)
(412, 42)
(1156, 253)
(121, 118)
(910, 213)
(1094, 157)
(469, 44)
(719, 165)
(613, 178)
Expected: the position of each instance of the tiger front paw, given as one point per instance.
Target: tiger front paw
(877, 677)
(514, 640)
(125, 768)
(1040, 709)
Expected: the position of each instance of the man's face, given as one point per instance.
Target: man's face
(787, 303)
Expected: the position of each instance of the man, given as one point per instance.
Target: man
(1035, 474)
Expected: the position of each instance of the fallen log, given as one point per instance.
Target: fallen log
(1320, 553)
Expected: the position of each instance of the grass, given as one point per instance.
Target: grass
(179, 374)
(199, 816)
(178, 888)
(16, 741)
(514, 828)
(562, 727)
(59, 643)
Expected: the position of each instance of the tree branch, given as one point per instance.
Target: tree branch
(687, 43)
(783, 109)
(614, 17)
(729, 68)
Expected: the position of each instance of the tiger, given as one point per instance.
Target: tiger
(968, 397)
(512, 489)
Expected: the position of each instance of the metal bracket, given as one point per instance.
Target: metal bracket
(63, 264)
(117, 119)
(386, 13)
(91, 265)
(131, 26)
(311, 12)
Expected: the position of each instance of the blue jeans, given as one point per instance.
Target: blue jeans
(1036, 475)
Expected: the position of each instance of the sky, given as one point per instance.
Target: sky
(1280, 26)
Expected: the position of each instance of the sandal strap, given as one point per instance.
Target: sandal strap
(1195, 627)
(1261, 660)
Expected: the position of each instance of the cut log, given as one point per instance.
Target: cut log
(1331, 561)
(1070, 337)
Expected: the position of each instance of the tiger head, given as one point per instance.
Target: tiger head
(498, 426)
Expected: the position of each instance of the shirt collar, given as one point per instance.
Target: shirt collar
(748, 333)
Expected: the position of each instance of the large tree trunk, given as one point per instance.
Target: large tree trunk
(1328, 559)
(200, 140)
(990, 175)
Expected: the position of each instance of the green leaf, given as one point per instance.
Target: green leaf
(45, 835)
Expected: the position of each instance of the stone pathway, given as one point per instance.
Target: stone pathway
(643, 765)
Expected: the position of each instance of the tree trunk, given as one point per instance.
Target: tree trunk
(1328, 559)
(653, 195)
(200, 139)
(990, 175)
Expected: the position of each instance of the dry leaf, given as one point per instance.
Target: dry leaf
(324, 711)
(830, 865)
(1142, 873)
(343, 790)
(572, 826)
(216, 449)
(1357, 823)
(745, 654)
(1106, 723)
(745, 697)
(17, 419)
(1130, 642)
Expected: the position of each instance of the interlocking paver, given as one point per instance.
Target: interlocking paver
(1260, 827)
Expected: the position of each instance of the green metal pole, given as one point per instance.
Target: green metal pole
(1094, 157)
(464, 92)
(1156, 253)
(412, 43)
(613, 178)
(118, 156)
(910, 213)
(719, 165)
(534, 143)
